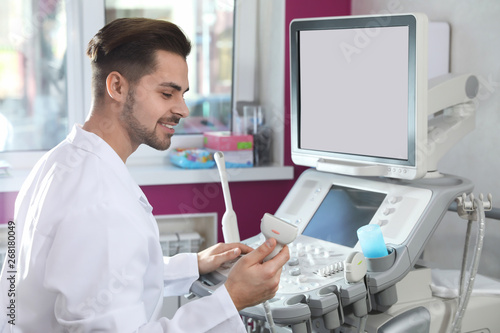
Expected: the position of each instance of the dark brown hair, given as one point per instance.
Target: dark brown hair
(129, 45)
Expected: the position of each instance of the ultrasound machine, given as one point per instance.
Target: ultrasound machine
(372, 128)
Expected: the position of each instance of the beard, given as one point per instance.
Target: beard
(137, 132)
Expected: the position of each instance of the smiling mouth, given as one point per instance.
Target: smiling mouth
(167, 125)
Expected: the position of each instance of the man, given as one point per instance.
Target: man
(88, 254)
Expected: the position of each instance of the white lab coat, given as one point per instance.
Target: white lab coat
(88, 253)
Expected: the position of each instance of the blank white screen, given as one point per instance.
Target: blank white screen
(354, 91)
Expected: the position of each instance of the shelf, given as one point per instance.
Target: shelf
(166, 174)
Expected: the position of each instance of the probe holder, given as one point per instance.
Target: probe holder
(384, 299)
(381, 264)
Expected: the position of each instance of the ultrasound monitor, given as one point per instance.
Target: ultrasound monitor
(359, 94)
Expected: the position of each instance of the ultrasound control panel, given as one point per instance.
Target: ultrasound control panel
(312, 283)
(327, 209)
(312, 264)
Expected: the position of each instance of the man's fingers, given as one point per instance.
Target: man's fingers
(258, 255)
(280, 259)
(211, 258)
(243, 247)
(235, 249)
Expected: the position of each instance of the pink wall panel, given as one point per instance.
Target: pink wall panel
(7, 200)
(250, 201)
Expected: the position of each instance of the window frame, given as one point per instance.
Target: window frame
(79, 32)
(84, 19)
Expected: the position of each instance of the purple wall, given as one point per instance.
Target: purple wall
(7, 206)
(250, 199)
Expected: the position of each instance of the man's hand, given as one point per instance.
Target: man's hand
(211, 259)
(251, 281)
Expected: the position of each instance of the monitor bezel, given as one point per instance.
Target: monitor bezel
(412, 168)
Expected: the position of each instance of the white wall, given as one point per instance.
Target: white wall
(475, 47)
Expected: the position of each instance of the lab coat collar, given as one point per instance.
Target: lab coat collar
(94, 144)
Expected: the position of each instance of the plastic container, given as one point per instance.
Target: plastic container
(372, 241)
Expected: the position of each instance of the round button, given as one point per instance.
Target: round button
(394, 199)
(294, 261)
(382, 222)
(295, 272)
(388, 211)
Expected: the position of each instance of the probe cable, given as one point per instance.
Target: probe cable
(269, 317)
(467, 285)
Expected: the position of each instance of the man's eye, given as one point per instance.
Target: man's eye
(167, 95)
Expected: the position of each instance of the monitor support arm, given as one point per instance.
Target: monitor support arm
(451, 114)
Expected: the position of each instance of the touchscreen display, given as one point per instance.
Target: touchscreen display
(341, 213)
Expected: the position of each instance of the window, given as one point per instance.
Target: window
(35, 59)
(71, 24)
(209, 26)
(33, 104)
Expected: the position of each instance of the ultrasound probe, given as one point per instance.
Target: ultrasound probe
(229, 222)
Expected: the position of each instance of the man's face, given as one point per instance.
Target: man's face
(156, 103)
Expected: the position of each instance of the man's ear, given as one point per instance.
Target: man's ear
(117, 87)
